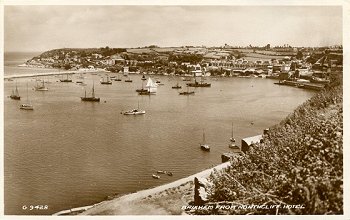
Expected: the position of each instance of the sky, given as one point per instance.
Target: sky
(41, 28)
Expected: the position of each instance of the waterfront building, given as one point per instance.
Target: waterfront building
(247, 142)
(196, 70)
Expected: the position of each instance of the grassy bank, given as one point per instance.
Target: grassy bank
(300, 162)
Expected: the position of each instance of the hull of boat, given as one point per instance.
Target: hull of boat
(90, 99)
(41, 89)
(15, 97)
(135, 113)
(26, 107)
(186, 93)
(147, 93)
(205, 147)
(65, 80)
(141, 90)
(199, 84)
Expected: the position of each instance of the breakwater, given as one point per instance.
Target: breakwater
(49, 73)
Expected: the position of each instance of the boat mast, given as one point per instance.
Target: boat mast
(203, 137)
(27, 93)
(232, 130)
(93, 89)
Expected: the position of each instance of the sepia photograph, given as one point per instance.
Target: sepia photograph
(145, 108)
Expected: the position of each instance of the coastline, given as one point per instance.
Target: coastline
(114, 206)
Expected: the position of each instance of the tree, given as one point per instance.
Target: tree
(299, 55)
(67, 66)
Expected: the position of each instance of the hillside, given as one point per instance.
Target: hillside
(300, 162)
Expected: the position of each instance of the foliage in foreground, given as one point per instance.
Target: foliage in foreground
(300, 162)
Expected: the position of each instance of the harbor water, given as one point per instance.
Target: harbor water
(68, 153)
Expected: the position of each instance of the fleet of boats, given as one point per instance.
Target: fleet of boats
(150, 88)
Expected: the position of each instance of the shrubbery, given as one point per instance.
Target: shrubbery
(299, 162)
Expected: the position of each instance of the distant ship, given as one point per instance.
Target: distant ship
(199, 84)
(232, 143)
(66, 80)
(106, 82)
(151, 88)
(136, 111)
(91, 98)
(27, 105)
(142, 89)
(15, 94)
(128, 80)
(41, 87)
(187, 92)
(177, 86)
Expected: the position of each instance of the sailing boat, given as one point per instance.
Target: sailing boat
(41, 87)
(232, 140)
(128, 80)
(107, 82)
(27, 105)
(187, 92)
(151, 87)
(143, 77)
(199, 84)
(203, 145)
(135, 111)
(177, 86)
(117, 78)
(66, 80)
(142, 89)
(91, 98)
(15, 94)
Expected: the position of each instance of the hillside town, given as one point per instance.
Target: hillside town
(281, 62)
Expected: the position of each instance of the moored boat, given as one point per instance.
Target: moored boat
(186, 92)
(91, 98)
(27, 105)
(177, 86)
(106, 81)
(128, 80)
(155, 176)
(232, 143)
(66, 80)
(134, 112)
(41, 87)
(203, 145)
(199, 84)
(15, 94)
